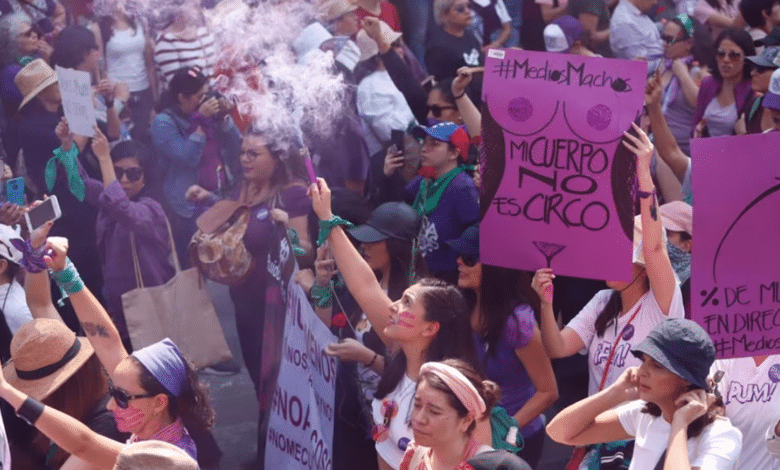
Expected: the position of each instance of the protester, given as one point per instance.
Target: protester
(428, 323)
(756, 118)
(620, 317)
(508, 340)
(196, 142)
(13, 309)
(186, 41)
(725, 94)
(718, 15)
(772, 99)
(594, 17)
(496, 22)
(450, 46)
(633, 35)
(155, 393)
(450, 402)
(380, 9)
(339, 17)
(761, 16)
(565, 34)
(670, 411)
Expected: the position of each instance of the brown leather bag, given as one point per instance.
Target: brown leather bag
(217, 248)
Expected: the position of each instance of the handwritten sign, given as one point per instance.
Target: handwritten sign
(556, 181)
(76, 90)
(735, 279)
(300, 428)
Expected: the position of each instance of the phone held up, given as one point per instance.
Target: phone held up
(44, 212)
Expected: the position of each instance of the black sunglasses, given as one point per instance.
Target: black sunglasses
(122, 398)
(462, 8)
(437, 110)
(733, 55)
(133, 173)
(671, 40)
(470, 260)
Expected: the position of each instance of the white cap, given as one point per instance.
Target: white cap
(772, 98)
(7, 249)
(555, 39)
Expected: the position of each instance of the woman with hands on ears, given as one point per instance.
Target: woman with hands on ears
(665, 404)
(430, 322)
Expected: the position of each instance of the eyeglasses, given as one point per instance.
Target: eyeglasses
(461, 8)
(33, 31)
(671, 40)
(469, 260)
(133, 173)
(437, 110)
(733, 55)
(122, 398)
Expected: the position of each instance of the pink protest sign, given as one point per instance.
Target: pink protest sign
(735, 279)
(557, 184)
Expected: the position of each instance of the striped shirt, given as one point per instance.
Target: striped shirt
(172, 53)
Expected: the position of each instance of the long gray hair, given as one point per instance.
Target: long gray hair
(11, 26)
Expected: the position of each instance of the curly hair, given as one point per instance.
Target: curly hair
(193, 405)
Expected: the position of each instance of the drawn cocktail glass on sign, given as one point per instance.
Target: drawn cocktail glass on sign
(550, 251)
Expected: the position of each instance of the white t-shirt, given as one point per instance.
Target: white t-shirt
(382, 109)
(125, 58)
(598, 349)
(752, 399)
(14, 305)
(400, 426)
(716, 448)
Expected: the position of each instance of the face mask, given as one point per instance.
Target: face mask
(128, 419)
(681, 261)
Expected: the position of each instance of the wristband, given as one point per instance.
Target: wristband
(645, 194)
(30, 410)
(326, 226)
(459, 96)
(68, 280)
(321, 295)
(368, 366)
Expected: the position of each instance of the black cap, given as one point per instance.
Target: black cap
(467, 243)
(390, 220)
(498, 460)
(683, 347)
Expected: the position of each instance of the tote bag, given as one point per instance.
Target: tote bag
(181, 309)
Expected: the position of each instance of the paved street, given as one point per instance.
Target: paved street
(234, 400)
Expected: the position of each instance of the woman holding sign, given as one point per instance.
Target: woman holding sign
(618, 318)
(428, 323)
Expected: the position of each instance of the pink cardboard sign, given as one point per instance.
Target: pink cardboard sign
(735, 274)
(557, 183)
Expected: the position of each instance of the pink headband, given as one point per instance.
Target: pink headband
(459, 384)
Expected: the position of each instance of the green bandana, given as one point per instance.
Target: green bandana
(429, 194)
(69, 162)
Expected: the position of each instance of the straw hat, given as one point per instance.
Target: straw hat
(33, 79)
(154, 455)
(45, 353)
(331, 10)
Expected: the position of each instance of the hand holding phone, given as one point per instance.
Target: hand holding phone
(46, 211)
(14, 190)
(397, 138)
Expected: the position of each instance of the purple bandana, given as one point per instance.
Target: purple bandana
(165, 362)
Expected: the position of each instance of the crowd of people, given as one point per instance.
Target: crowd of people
(444, 363)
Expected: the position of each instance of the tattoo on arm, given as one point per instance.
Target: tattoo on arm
(93, 329)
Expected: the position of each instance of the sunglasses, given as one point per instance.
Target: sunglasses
(462, 8)
(122, 398)
(733, 55)
(133, 173)
(33, 31)
(437, 110)
(469, 260)
(761, 69)
(671, 40)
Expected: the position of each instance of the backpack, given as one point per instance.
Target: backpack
(217, 248)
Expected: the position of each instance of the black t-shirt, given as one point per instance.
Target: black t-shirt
(445, 53)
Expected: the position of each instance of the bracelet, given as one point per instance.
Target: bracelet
(32, 258)
(459, 96)
(321, 295)
(326, 226)
(645, 194)
(30, 410)
(68, 280)
(298, 250)
(368, 366)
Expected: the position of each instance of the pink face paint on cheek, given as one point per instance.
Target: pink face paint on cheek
(407, 315)
(128, 419)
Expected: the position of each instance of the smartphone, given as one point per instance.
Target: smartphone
(44, 212)
(14, 190)
(397, 138)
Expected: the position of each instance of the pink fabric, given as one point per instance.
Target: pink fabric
(459, 384)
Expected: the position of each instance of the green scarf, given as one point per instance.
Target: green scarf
(69, 162)
(430, 191)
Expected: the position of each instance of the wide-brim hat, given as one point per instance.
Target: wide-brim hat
(390, 220)
(33, 79)
(154, 455)
(677, 216)
(45, 353)
(467, 243)
(331, 10)
(368, 47)
(683, 347)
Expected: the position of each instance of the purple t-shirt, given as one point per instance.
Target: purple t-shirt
(457, 209)
(506, 369)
